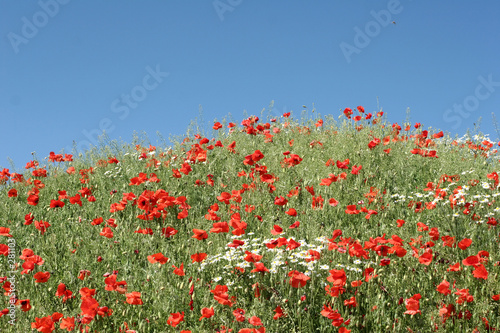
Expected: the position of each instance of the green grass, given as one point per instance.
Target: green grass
(245, 185)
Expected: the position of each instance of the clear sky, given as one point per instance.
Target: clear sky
(69, 69)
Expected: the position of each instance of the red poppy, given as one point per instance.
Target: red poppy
(207, 313)
(255, 321)
(276, 230)
(179, 270)
(480, 272)
(464, 243)
(25, 304)
(198, 257)
(41, 277)
(351, 302)
(444, 288)
(332, 202)
(351, 209)
(168, 231)
(45, 324)
(134, 298)
(259, 267)
(425, 258)
(106, 232)
(113, 285)
(280, 201)
(219, 227)
(5, 232)
(252, 257)
(62, 291)
(199, 234)
(413, 305)
(236, 243)
(158, 257)
(471, 261)
(292, 244)
(175, 319)
(298, 279)
(56, 203)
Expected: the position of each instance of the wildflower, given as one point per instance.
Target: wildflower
(134, 298)
(179, 270)
(175, 318)
(207, 313)
(413, 304)
(298, 279)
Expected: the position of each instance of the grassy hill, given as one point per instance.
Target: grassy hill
(347, 224)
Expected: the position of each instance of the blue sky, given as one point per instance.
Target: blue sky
(72, 68)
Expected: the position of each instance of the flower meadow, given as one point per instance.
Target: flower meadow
(326, 224)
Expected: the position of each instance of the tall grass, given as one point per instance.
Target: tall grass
(343, 248)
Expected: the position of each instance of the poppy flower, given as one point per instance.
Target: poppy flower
(158, 257)
(56, 203)
(239, 314)
(33, 199)
(337, 277)
(179, 270)
(219, 227)
(464, 243)
(413, 305)
(62, 291)
(199, 234)
(444, 288)
(368, 274)
(351, 209)
(471, 261)
(333, 202)
(106, 232)
(480, 272)
(134, 298)
(292, 244)
(41, 277)
(255, 321)
(113, 285)
(45, 324)
(425, 258)
(5, 232)
(252, 257)
(146, 231)
(198, 257)
(298, 279)
(351, 302)
(175, 319)
(259, 267)
(207, 313)
(279, 313)
(276, 230)
(168, 232)
(280, 201)
(236, 243)
(25, 304)
(294, 225)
